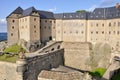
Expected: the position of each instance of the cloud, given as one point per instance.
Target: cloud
(53, 9)
(3, 25)
(106, 2)
(92, 8)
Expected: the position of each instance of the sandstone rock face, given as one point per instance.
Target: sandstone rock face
(2, 46)
(100, 56)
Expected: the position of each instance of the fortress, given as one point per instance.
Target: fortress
(79, 40)
(32, 25)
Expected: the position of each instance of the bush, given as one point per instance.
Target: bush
(99, 72)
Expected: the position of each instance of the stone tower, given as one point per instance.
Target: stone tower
(13, 25)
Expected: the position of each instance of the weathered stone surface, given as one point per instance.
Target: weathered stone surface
(8, 71)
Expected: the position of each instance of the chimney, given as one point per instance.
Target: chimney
(117, 5)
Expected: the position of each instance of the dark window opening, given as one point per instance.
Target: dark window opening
(58, 47)
(13, 21)
(96, 32)
(11, 34)
(34, 26)
(12, 27)
(103, 25)
(50, 38)
(109, 24)
(52, 49)
(34, 19)
(102, 32)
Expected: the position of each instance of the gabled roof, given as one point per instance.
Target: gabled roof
(18, 10)
(28, 11)
(46, 14)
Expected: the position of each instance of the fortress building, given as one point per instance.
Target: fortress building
(32, 25)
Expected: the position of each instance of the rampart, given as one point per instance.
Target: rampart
(35, 63)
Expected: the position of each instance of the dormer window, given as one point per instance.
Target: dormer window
(70, 15)
(91, 16)
(77, 16)
(99, 12)
(64, 16)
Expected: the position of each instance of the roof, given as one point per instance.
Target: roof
(28, 11)
(46, 14)
(18, 10)
(98, 13)
(76, 15)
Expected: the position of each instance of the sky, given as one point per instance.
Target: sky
(56, 6)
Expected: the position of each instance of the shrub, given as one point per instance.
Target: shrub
(99, 72)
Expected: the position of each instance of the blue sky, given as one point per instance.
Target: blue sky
(56, 6)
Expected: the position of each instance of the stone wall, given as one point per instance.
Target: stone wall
(8, 71)
(50, 47)
(44, 61)
(77, 54)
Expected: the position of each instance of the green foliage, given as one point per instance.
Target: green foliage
(116, 76)
(14, 49)
(7, 58)
(99, 72)
(81, 11)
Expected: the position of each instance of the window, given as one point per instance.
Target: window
(109, 32)
(96, 32)
(12, 27)
(64, 31)
(54, 21)
(58, 47)
(82, 32)
(45, 27)
(102, 25)
(118, 32)
(50, 21)
(46, 21)
(35, 31)
(102, 32)
(13, 21)
(11, 34)
(114, 23)
(97, 25)
(52, 49)
(34, 26)
(109, 24)
(91, 32)
(34, 19)
(76, 32)
(118, 23)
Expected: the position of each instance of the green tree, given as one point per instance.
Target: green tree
(81, 11)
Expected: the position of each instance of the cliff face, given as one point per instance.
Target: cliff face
(100, 56)
(85, 56)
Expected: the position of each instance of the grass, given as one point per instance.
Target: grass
(99, 72)
(7, 58)
(13, 53)
(13, 49)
